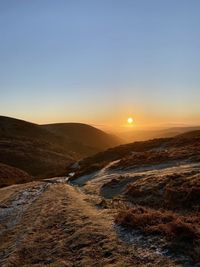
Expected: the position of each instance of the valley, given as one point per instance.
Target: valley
(133, 205)
(99, 133)
(34, 151)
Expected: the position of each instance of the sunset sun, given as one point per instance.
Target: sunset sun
(130, 120)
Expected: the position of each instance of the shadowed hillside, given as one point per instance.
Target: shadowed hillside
(10, 175)
(45, 151)
(79, 134)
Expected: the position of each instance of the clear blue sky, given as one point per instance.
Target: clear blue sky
(100, 61)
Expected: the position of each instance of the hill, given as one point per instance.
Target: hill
(153, 187)
(10, 175)
(144, 135)
(183, 146)
(83, 135)
(136, 204)
(45, 151)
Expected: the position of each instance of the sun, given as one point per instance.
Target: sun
(130, 120)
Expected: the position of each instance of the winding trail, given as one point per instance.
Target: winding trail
(92, 184)
(55, 224)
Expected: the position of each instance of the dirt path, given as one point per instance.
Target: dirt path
(14, 201)
(92, 184)
(60, 227)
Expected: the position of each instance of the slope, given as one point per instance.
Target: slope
(45, 151)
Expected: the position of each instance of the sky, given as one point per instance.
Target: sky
(101, 61)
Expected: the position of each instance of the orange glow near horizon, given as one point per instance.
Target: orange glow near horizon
(113, 121)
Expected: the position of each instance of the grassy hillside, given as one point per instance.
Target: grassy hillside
(10, 175)
(185, 146)
(45, 151)
(83, 135)
(154, 189)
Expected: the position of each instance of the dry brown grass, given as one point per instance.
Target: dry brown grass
(161, 222)
(137, 154)
(177, 191)
(183, 197)
(183, 193)
(182, 232)
(62, 229)
(10, 175)
(184, 152)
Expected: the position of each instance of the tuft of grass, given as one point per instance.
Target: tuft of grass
(182, 233)
(166, 223)
(174, 192)
(184, 195)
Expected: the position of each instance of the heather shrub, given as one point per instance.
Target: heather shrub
(158, 222)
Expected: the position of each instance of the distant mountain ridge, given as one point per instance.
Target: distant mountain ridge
(143, 135)
(46, 150)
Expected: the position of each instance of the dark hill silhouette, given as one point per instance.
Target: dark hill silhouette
(192, 134)
(43, 151)
(10, 175)
(143, 135)
(82, 133)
